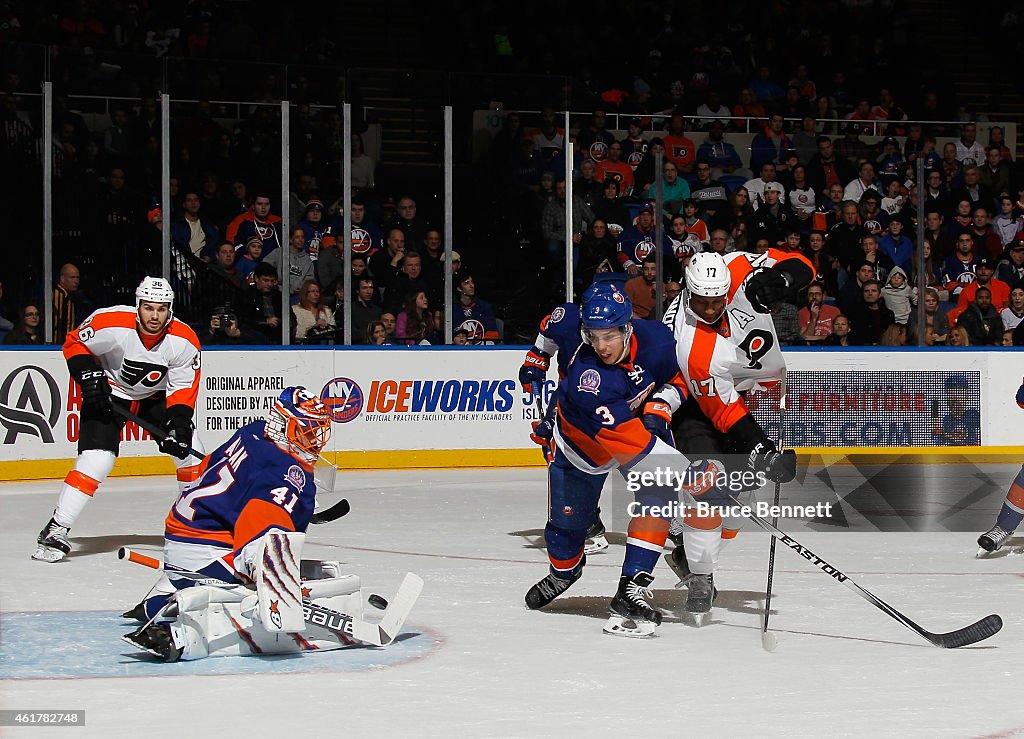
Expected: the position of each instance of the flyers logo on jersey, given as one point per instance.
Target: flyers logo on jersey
(142, 373)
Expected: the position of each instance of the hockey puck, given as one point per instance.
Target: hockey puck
(377, 601)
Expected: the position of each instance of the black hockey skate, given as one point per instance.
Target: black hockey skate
(596, 541)
(676, 559)
(138, 613)
(52, 544)
(630, 613)
(701, 594)
(157, 640)
(550, 588)
(993, 540)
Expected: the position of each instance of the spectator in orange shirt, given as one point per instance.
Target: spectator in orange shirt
(613, 168)
(678, 148)
(641, 289)
(748, 107)
(984, 271)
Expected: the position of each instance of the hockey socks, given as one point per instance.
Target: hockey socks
(565, 550)
(91, 469)
(644, 542)
(1012, 512)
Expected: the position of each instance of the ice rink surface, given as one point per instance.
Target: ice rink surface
(474, 662)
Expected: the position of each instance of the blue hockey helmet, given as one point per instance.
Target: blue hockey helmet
(608, 309)
(604, 282)
(300, 423)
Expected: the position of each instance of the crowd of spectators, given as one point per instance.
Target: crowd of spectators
(808, 180)
(848, 204)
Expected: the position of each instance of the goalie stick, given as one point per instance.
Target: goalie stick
(331, 513)
(375, 634)
(976, 632)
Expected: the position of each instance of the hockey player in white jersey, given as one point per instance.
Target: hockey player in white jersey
(140, 359)
(726, 345)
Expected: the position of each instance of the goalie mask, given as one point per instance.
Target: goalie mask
(608, 309)
(707, 286)
(300, 424)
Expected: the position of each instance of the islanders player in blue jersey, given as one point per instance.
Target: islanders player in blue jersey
(559, 337)
(1012, 511)
(612, 413)
(260, 480)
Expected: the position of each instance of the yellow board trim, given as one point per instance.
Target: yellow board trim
(50, 469)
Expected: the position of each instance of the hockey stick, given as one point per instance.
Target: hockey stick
(976, 632)
(331, 513)
(541, 413)
(375, 634)
(157, 433)
(768, 640)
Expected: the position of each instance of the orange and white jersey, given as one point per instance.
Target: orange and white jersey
(139, 366)
(742, 353)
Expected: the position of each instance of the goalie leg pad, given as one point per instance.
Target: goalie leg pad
(211, 622)
(278, 582)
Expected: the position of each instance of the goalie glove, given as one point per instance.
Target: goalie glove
(777, 466)
(95, 394)
(534, 369)
(656, 417)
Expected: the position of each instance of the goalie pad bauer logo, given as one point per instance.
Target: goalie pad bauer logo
(142, 373)
(332, 620)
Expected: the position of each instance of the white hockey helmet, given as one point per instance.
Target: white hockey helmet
(155, 290)
(707, 275)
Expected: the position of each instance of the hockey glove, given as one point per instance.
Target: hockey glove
(767, 287)
(777, 466)
(179, 435)
(1020, 396)
(95, 394)
(543, 435)
(534, 369)
(656, 417)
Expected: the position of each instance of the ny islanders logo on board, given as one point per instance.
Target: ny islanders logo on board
(344, 397)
